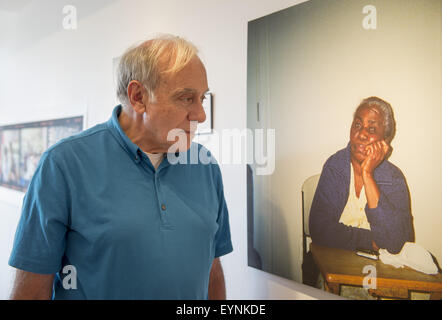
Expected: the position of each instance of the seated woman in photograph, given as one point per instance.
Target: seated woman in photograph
(362, 200)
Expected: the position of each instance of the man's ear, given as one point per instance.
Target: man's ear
(137, 94)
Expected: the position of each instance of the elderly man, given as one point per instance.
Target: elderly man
(108, 216)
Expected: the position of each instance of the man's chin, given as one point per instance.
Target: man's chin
(181, 146)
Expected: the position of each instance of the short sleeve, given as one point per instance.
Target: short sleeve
(223, 243)
(39, 241)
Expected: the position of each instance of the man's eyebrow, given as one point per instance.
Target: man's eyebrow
(181, 91)
(184, 90)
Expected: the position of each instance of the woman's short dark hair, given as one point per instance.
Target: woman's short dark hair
(387, 111)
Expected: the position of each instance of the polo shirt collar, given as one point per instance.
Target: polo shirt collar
(134, 151)
(131, 148)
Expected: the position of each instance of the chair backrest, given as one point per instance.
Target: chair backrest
(308, 192)
(253, 256)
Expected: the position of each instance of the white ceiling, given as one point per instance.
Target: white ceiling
(13, 6)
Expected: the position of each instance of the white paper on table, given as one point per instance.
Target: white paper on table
(412, 255)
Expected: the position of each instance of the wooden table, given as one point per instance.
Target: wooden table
(343, 267)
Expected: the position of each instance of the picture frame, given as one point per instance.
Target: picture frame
(206, 127)
(22, 144)
(308, 70)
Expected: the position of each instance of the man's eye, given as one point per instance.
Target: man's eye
(371, 130)
(357, 125)
(187, 99)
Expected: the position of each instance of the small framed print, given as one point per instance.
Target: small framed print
(206, 126)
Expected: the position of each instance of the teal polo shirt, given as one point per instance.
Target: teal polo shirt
(97, 210)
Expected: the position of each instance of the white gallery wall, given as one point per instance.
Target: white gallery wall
(49, 72)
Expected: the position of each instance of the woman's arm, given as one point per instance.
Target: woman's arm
(390, 221)
(376, 154)
(329, 201)
(388, 212)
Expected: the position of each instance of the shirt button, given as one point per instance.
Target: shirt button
(163, 207)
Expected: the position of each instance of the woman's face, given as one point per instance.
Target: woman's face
(367, 128)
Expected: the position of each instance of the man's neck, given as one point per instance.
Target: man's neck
(132, 125)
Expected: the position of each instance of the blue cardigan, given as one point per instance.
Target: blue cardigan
(390, 222)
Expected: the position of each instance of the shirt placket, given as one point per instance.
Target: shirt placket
(162, 202)
(142, 160)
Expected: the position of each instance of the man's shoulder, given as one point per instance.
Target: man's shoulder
(79, 142)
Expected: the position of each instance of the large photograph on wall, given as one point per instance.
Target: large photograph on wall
(21, 146)
(353, 91)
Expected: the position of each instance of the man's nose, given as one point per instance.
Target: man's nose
(198, 114)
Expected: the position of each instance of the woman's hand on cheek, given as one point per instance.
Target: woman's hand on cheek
(385, 147)
(376, 153)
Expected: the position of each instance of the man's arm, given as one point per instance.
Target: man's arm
(32, 286)
(217, 287)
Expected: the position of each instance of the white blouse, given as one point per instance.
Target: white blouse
(353, 214)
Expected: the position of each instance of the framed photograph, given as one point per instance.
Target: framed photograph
(206, 127)
(21, 146)
(335, 79)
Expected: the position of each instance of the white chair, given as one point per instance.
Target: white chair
(253, 256)
(309, 269)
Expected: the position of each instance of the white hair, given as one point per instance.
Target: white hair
(147, 62)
